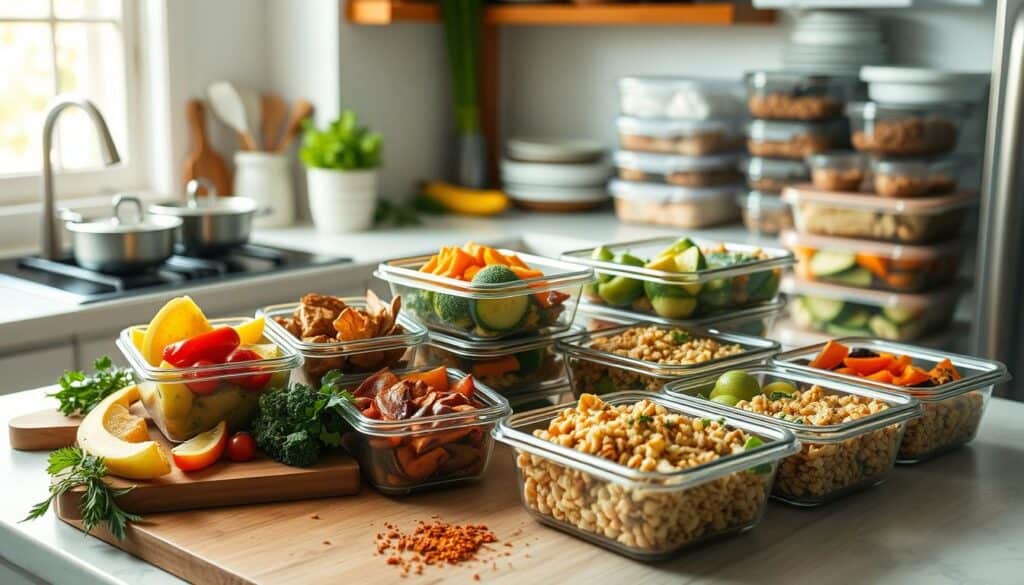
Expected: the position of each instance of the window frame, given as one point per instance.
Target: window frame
(22, 188)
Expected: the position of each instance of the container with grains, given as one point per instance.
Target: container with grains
(644, 475)
(681, 137)
(764, 213)
(849, 434)
(794, 140)
(646, 356)
(952, 405)
(772, 175)
(905, 130)
(838, 170)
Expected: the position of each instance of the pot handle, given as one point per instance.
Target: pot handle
(192, 190)
(120, 201)
(69, 216)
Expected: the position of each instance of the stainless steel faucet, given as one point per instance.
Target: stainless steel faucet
(51, 234)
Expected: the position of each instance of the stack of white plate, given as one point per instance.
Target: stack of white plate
(555, 175)
(835, 42)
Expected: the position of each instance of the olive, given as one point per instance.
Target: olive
(736, 383)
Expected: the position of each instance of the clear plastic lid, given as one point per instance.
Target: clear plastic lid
(974, 372)
(792, 239)
(877, 111)
(758, 167)
(759, 200)
(781, 130)
(798, 81)
(920, 167)
(842, 159)
(675, 127)
(666, 164)
(498, 348)
(657, 84)
(517, 431)
(796, 195)
(776, 258)
(940, 297)
(588, 310)
(662, 193)
(414, 333)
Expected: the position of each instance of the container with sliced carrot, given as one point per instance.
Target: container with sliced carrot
(481, 293)
(420, 428)
(953, 389)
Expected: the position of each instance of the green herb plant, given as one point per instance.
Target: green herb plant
(79, 392)
(343, 145)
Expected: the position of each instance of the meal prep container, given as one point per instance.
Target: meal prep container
(380, 446)
(422, 293)
(672, 205)
(680, 98)
(773, 174)
(874, 265)
(838, 170)
(686, 137)
(685, 171)
(542, 399)
(764, 213)
(787, 95)
(841, 310)
(793, 140)
(596, 371)
(524, 365)
(716, 291)
(757, 320)
(180, 413)
(645, 515)
(905, 130)
(854, 215)
(350, 357)
(915, 177)
(951, 412)
(834, 460)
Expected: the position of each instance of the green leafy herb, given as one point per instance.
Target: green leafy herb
(753, 443)
(779, 395)
(680, 337)
(706, 422)
(644, 419)
(343, 145)
(671, 422)
(71, 467)
(79, 393)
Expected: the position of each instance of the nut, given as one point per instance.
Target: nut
(781, 106)
(945, 424)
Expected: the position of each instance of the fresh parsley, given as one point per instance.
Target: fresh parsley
(79, 393)
(754, 443)
(71, 467)
(680, 337)
(779, 395)
(706, 422)
(644, 419)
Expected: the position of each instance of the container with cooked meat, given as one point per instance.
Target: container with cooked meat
(682, 137)
(673, 205)
(772, 175)
(793, 139)
(788, 95)
(915, 177)
(905, 130)
(838, 170)
(764, 213)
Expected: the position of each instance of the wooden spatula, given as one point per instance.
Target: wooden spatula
(202, 160)
(273, 112)
(301, 110)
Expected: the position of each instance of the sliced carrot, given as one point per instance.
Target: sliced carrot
(461, 260)
(866, 366)
(903, 280)
(525, 273)
(476, 250)
(831, 356)
(371, 411)
(874, 264)
(436, 378)
(471, 272)
(911, 376)
(883, 376)
(465, 386)
(515, 260)
(910, 265)
(430, 265)
(496, 367)
(944, 369)
(847, 371)
(492, 256)
(899, 364)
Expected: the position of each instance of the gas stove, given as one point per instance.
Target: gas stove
(63, 278)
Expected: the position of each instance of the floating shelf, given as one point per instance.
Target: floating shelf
(385, 12)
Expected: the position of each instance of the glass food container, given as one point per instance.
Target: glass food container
(905, 130)
(951, 412)
(843, 311)
(793, 140)
(350, 357)
(834, 459)
(684, 295)
(874, 265)
(542, 399)
(764, 213)
(645, 515)
(598, 371)
(680, 98)
(685, 171)
(524, 365)
(476, 311)
(184, 402)
(909, 221)
(757, 320)
(685, 137)
(915, 177)
(838, 170)
(672, 205)
(787, 95)
(398, 457)
(771, 175)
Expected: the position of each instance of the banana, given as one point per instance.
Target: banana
(465, 200)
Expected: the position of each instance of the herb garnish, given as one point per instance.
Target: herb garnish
(706, 422)
(643, 418)
(79, 393)
(680, 337)
(753, 443)
(779, 395)
(72, 467)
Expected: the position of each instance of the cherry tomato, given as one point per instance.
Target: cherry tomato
(202, 387)
(252, 382)
(241, 447)
(213, 345)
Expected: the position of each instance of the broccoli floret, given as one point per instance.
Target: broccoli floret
(282, 428)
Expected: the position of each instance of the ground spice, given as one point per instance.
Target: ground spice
(433, 543)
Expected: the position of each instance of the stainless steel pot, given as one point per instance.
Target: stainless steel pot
(211, 225)
(121, 244)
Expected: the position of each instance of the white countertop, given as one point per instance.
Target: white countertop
(956, 519)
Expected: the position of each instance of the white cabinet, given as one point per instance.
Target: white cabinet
(35, 368)
(95, 347)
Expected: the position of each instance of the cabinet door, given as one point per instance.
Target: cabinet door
(96, 347)
(36, 368)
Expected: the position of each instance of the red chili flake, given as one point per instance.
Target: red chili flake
(434, 543)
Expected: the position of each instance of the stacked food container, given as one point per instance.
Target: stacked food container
(796, 115)
(680, 141)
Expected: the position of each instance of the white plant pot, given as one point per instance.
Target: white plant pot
(341, 202)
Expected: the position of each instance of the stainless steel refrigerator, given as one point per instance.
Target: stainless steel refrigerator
(998, 328)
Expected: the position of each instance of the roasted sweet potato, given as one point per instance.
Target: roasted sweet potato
(831, 355)
(419, 467)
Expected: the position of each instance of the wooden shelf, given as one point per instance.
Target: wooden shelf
(385, 12)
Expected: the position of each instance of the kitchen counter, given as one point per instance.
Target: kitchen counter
(956, 519)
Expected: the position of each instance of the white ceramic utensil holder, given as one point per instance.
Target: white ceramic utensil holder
(341, 201)
(265, 177)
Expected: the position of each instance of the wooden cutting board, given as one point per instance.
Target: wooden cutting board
(48, 429)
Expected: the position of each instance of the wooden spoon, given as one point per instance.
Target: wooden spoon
(273, 115)
(203, 160)
(301, 110)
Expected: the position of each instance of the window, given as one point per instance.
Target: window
(56, 46)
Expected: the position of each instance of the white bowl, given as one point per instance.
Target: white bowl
(914, 85)
(554, 150)
(546, 194)
(555, 174)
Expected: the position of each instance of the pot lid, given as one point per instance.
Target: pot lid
(123, 221)
(211, 204)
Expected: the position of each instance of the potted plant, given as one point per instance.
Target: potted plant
(342, 163)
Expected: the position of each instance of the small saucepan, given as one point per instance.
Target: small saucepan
(211, 225)
(121, 244)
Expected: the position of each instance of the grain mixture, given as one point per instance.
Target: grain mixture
(825, 470)
(645, 436)
(782, 106)
(655, 344)
(944, 425)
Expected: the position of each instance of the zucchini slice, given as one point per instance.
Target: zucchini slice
(500, 314)
(829, 262)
